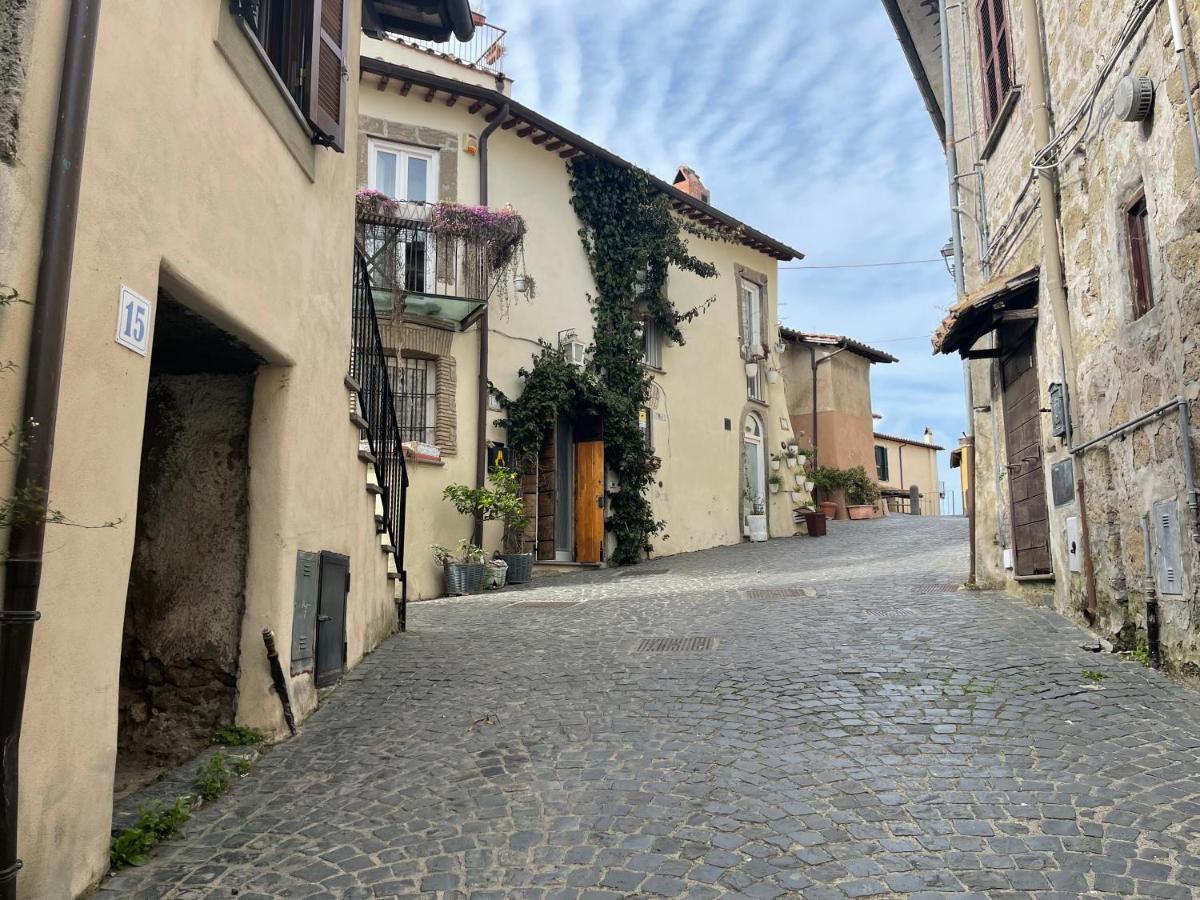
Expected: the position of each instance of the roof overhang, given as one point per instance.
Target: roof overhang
(426, 20)
(839, 341)
(1003, 299)
(554, 138)
(918, 26)
(907, 442)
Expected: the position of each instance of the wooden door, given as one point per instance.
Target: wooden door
(546, 479)
(589, 501)
(1023, 434)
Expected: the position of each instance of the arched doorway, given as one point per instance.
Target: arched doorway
(754, 469)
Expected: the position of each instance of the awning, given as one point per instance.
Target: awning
(983, 310)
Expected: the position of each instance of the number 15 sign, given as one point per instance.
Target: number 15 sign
(133, 321)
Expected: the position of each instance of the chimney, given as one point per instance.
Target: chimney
(928, 436)
(689, 182)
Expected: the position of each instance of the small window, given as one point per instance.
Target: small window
(995, 54)
(414, 389)
(652, 344)
(1137, 232)
(881, 463)
(752, 330)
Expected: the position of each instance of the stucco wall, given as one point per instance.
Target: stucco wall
(698, 488)
(185, 182)
(910, 464)
(844, 423)
(1123, 367)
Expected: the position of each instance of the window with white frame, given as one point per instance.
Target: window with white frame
(402, 172)
(753, 336)
(414, 390)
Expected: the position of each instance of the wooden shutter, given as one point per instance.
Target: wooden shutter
(1138, 236)
(328, 71)
(994, 56)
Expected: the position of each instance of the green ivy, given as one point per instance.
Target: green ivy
(631, 238)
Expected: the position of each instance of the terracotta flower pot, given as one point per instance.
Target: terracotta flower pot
(829, 508)
(861, 511)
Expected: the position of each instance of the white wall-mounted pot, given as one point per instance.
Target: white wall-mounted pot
(808, 486)
(521, 284)
(751, 369)
(775, 465)
(772, 376)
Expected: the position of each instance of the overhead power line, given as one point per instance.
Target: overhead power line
(878, 265)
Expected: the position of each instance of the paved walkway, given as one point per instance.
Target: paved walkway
(857, 729)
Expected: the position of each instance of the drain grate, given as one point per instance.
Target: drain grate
(544, 604)
(784, 593)
(643, 573)
(947, 588)
(677, 645)
(903, 613)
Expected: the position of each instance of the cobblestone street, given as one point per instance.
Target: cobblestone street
(852, 727)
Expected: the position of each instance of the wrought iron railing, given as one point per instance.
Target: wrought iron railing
(413, 269)
(485, 50)
(376, 405)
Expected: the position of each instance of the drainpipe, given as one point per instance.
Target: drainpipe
(39, 414)
(1151, 597)
(481, 412)
(1181, 55)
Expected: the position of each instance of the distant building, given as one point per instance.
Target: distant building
(901, 464)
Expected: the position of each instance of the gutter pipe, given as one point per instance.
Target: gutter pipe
(481, 410)
(956, 211)
(39, 415)
(461, 20)
(1181, 55)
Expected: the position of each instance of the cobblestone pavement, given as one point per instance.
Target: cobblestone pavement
(858, 729)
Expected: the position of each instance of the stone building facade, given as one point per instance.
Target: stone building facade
(1082, 454)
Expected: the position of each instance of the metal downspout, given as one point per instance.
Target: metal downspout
(482, 388)
(39, 415)
(1181, 55)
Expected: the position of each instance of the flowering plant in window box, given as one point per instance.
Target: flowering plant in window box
(370, 202)
(497, 234)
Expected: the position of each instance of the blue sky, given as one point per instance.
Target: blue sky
(804, 121)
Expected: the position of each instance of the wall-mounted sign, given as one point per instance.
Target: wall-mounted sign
(1062, 482)
(134, 314)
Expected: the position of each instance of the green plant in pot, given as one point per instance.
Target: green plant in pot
(502, 502)
(862, 493)
(828, 480)
(464, 567)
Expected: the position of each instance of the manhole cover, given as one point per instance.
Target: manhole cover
(676, 645)
(544, 604)
(888, 613)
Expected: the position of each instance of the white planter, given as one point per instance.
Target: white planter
(797, 497)
(520, 284)
(799, 479)
(808, 486)
(791, 462)
(757, 526)
(751, 369)
(774, 465)
(774, 488)
(772, 376)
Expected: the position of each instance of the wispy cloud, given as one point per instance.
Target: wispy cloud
(803, 119)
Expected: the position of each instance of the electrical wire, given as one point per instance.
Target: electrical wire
(878, 265)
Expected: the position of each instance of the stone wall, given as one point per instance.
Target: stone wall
(13, 14)
(1124, 367)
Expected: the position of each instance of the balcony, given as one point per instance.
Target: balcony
(484, 51)
(435, 263)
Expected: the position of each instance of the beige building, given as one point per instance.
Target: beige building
(901, 464)
(433, 129)
(1075, 156)
(831, 374)
(196, 262)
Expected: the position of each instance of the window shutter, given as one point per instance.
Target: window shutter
(328, 72)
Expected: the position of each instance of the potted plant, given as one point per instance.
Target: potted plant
(776, 462)
(861, 492)
(497, 574)
(751, 369)
(776, 483)
(756, 520)
(504, 503)
(525, 284)
(772, 375)
(828, 479)
(797, 497)
(790, 455)
(463, 566)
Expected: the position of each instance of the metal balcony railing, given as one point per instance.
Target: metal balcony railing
(376, 405)
(485, 50)
(423, 274)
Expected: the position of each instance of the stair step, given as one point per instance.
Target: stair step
(367, 455)
(374, 489)
(358, 421)
(351, 384)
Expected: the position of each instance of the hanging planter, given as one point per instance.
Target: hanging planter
(751, 370)
(808, 486)
(799, 479)
(775, 485)
(772, 376)
(797, 497)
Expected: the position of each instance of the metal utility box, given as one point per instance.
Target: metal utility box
(1058, 410)
(1074, 559)
(304, 612)
(1062, 482)
(1168, 548)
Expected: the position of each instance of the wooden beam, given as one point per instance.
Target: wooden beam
(570, 153)
(554, 145)
(494, 114)
(405, 88)
(541, 138)
(987, 353)
(475, 107)
(383, 83)
(430, 95)
(452, 99)
(525, 131)
(1017, 315)
(511, 124)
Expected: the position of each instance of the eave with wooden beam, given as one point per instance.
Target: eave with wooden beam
(531, 126)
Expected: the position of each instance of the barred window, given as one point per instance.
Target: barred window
(414, 388)
(995, 54)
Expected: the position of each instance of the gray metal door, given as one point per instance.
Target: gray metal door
(331, 617)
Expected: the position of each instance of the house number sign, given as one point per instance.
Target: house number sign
(133, 321)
